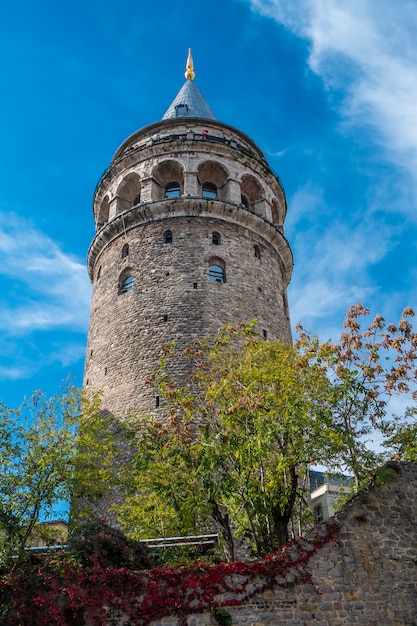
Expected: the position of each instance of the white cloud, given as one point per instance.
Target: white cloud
(365, 54)
(51, 289)
(332, 260)
(314, 301)
(306, 204)
(42, 289)
(366, 50)
(67, 354)
(16, 372)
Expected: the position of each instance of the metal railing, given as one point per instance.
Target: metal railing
(161, 542)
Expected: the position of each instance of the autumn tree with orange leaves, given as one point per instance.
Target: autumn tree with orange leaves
(368, 368)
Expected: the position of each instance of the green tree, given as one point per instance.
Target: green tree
(401, 436)
(255, 414)
(237, 443)
(51, 450)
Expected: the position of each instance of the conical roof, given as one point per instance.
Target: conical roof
(189, 101)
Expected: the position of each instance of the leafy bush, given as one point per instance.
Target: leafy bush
(97, 543)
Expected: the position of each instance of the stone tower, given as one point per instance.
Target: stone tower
(189, 220)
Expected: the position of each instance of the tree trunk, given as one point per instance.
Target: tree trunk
(223, 521)
(282, 518)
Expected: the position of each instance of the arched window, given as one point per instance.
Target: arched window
(125, 281)
(168, 180)
(103, 213)
(257, 251)
(251, 190)
(168, 237)
(244, 201)
(215, 239)
(127, 192)
(217, 273)
(136, 200)
(172, 190)
(274, 212)
(125, 251)
(213, 180)
(209, 191)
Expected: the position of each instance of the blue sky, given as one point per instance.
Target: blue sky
(326, 88)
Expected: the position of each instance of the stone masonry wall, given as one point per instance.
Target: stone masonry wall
(173, 300)
(368, 576)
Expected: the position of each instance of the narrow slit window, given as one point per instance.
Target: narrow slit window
(125, 251)
(215, 239)
(168, 237)
(257, 251)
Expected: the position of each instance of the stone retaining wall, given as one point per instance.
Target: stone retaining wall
(367, 576)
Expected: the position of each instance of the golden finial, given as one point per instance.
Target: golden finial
(189, 71)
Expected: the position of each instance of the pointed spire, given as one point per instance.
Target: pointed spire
(189, 101)
(189, 68)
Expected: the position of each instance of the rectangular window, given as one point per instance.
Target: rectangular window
(181, 110)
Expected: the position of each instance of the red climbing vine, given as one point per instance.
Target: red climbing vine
(60, 593)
